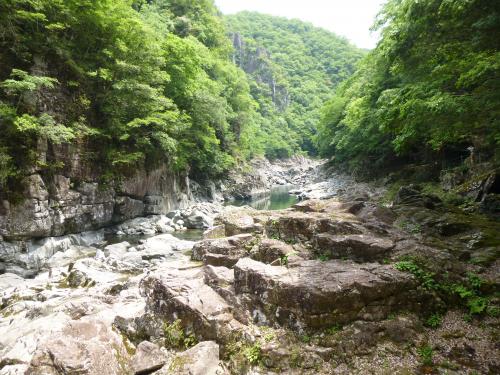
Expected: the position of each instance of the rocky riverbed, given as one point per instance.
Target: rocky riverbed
(337, 284)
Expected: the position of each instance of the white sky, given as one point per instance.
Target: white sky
(349, 18)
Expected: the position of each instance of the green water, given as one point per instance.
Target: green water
(278, 199)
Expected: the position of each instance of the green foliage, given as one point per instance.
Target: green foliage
(434, 321)
(426, 354)
(334, 329)
(293, 68)
(175, 337)
(253, 353)
(428, 91)
(323, 257)
(306, 339)
(425, 278)
(21, 82)
(469, 292)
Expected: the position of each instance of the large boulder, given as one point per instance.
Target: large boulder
(173, 294)
(412, 195)
(223, 251)
(358, 247)
(202, 359)
(272, 251)
(86, 346)
(318, 294)
(238, 221)
(148, 358)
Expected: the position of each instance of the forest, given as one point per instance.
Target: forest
(428, 92)
(155, 82)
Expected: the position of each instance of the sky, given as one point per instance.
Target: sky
(349, 18)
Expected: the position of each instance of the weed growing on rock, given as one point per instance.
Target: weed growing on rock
(306, 339)
(434, 321)
(469, 292)
(323, 257)
(425, 278)
(334, 329)
(253, 353)
(426, 354)
(175, 336)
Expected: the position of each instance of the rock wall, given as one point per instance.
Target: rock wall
(59, 205)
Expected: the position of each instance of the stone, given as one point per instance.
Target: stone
(223, 251)
(182, 294)
(201, 359)
(198, 220)
(412, 195)
(319, 294)
(85, 346)
(217, 231)
(64, 258)
(88, 272)
(8, 280)
(272, 251)
(148, 358)
(127, 208)
(238, 221)
(358, 247)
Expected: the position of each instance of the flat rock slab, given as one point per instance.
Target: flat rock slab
(318, 294)
(358, 247)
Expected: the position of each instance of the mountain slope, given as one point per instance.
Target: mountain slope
(294, 67)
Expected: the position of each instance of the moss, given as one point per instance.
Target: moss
(178, 363)
(123, 361)
(129, 347)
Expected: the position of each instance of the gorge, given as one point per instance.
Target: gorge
(187, 192)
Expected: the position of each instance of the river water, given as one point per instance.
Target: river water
(278, 199)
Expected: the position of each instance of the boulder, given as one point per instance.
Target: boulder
(217, 231)
(272, 251)
(82, 347)
(238, 221)
(358, 247)
(88, 272)
(412, 195)
(223, 251)
(198, 220)
(202, 359)
(148, 358)
(318, 294)
(182, 294)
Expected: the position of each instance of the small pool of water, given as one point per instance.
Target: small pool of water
(278, 199)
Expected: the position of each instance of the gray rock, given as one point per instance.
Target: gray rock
(358, 247)
(202, 359)
(198, 220)
(223, 251)
(173, 294)
(320, 294)
(147, 358)
(82, 347)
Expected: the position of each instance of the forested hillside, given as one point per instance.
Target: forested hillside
(125, 86)
(429, 92)
(294, 68)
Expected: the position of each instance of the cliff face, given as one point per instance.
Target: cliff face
(56, 205)
(76, 200)
(257, 62)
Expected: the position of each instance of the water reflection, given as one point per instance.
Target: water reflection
(278, 199)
